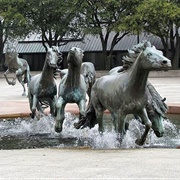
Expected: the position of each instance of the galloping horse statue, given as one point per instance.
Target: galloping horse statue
(155, 107)
(18, 66)
(126, 93)
(72, 87)
(42, 87)
(89, 73)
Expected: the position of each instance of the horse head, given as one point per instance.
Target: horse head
(75, 56)
(53, 57)
(156, 119)
(156, 109)
(10, 54)
(153, 58)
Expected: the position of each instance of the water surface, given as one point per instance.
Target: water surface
(39, 133)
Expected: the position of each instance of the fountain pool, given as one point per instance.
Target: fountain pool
(26, 133)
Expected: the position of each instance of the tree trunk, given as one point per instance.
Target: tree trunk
(1, 50)
(176, 57)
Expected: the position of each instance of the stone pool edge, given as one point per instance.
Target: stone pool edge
(173, 109)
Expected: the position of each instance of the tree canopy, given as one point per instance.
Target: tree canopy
(55, 20)
(12, 22)
(104, 16)
(58, 21)
(160, 18)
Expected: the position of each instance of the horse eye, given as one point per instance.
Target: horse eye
(149, 54)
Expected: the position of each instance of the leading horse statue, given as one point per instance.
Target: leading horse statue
(155, 107)
(72, 87)
(42, 89)
(126, 93)
(18, 66)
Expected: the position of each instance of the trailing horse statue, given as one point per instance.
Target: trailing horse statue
(42, 87)
(126, 93)
(18, 66)
(89, 73)
(72, 87)
(155, 107)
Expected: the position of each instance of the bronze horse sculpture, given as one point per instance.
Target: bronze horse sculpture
(155, 107)
(126, 93)
(18, 66)
(72, 87)
(42, 89)
(89, 73)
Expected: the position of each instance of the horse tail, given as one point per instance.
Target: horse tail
(27, 76)
(89, 119)
(89, 74)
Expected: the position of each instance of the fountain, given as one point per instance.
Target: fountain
(24, 133)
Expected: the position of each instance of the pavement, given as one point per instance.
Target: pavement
(15, 105)
(82, 162)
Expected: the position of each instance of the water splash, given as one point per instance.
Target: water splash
(34, 133)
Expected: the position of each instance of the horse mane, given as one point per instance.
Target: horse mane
(133, 53)
(60, 59)
(158, 102)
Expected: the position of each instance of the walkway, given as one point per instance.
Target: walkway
(15, 105)
(82, 163)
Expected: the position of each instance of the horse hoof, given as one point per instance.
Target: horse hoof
(139, 142)
(77, 125)
(57, 129)
(23, 94)
(32, 115)
(80, 124)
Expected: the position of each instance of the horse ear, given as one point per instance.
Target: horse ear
(147, 44)
(48, 48)
(56, 49)
(131, 52)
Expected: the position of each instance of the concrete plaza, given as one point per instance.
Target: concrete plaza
(84, 163)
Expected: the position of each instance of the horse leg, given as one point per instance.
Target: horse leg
(13, 80)
(39, 108)
(60, 115)
(143, 115)
(82, 107)
(5, 75)
(99, 116)
(27, 76)
(33, 106)
(19, 77)
(30, 97)
(114, 120)
(52, 104)
(121, 130)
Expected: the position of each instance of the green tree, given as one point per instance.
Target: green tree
(160, 18)
(12, 22)
(54, 20)
(103, 17)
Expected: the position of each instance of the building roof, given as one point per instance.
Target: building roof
(90, 43)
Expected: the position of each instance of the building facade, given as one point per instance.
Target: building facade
(33, 51)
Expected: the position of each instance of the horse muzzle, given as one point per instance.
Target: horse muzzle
(52, 65)
(166, 64)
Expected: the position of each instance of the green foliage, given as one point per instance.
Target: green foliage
(54, 19)
(14, 23)
(154, 16)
